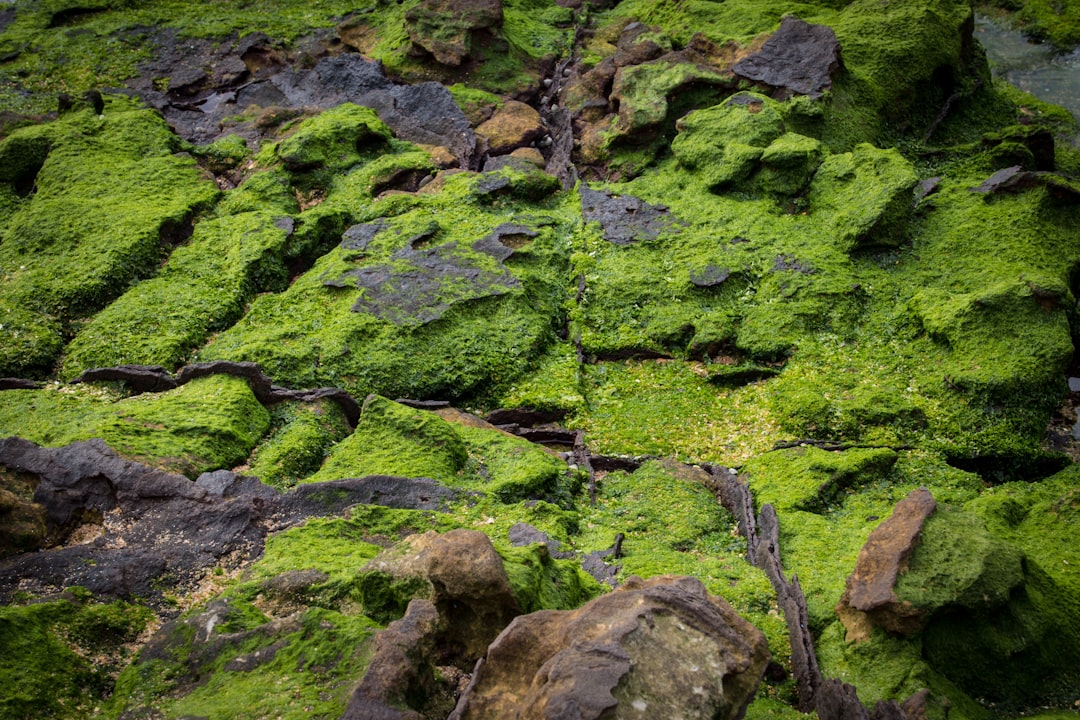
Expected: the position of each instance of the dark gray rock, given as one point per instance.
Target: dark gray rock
(625, 219)
(438, 278)
(155, 529)
(799, 57)
(710, 276)
(138, 378)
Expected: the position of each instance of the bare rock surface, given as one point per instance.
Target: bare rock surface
(515, 124)
(662, 645)
(114, 523)
(799, 57)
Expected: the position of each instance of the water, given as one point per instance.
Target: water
(1034, 68)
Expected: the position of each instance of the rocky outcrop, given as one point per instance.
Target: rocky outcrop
(445, 28)
(869, 599)
(112, 522)
(641, 648)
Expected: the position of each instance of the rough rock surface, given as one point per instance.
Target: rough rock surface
(122, 515)
(445, 27)
(465, 581)
(625, 219)
(799, 57)
(641, 648)
(869, 598)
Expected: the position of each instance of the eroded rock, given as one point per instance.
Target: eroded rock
(661, 645)
(869, 598)
(445, 27)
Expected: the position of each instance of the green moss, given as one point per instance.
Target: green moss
(334, 139)
(890, 667)
(540, 582)
(957, 562)
(671, 409)
(207, 424)
(72, 47)
(301, 435)
(699, 538)
(814, 480)
(204, 287)
(393, 439)
(111, 192)
(1056, 23)
(46, 648)
(450, 340)
(300, 669)
(865, 194)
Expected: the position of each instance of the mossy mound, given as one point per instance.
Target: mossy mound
(59, 659)
(103, 200)
(207, 424)
(420, 307)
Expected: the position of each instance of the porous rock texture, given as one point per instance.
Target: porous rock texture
(663, 644)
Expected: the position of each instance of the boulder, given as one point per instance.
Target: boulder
(460, 573)
(514, 125)
(444, 28)
(663, 645)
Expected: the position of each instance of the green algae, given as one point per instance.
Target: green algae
(60, 659)
(300, 436)
(203, 288)
(700, 538)
(110, 196)
(540, 582)
(72, 47)
(207, 424)
(452, 339)
(392, 439)
(300, 669)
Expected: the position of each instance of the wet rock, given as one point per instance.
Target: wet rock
(334, 496)
(141, 549)
(513, 125)
(869, 599)
(625, 219)
(422, 113)
(445, 28)
(709, 276)
(1015, 179)
(463, 577)
(138, 378)
(639, 648)
(799, 57)
(504, 240)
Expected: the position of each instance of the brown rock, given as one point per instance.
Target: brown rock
(445, 27)
(530, 155)
(662, 645)
(400, 669)
(868, 598)
(465, 581)
(514, 125)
